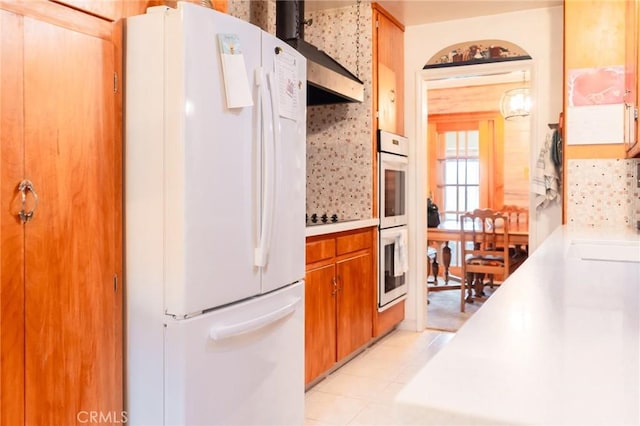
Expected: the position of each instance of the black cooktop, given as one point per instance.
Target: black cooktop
(324, 219)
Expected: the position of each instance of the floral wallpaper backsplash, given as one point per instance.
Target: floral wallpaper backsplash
(603, 193)
(241, 9)
(261, 13)
(339, 148)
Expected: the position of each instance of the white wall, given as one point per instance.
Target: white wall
(537, 31)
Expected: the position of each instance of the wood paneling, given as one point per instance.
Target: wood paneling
(467, 98)
(499, 163)
(516, 154)
(516, 133)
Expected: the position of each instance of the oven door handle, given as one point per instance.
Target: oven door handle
(394, 159)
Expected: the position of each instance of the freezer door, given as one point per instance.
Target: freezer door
(284, 155)
(240, 365)
(212, 165)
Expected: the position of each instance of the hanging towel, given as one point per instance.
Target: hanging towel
(400, 259)
(546, 179)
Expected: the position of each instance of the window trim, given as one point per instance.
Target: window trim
(491, 128)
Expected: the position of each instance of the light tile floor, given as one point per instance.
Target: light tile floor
(361, 392)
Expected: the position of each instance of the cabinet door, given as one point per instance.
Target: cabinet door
(390, 60)
(11, 236)
(355, 303)
(320, 321)
(72, 312)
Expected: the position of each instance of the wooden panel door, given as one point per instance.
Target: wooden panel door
(355, 308)
(66, 314)
(320, 321)
(11, 235)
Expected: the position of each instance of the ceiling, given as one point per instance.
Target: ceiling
(416, 12)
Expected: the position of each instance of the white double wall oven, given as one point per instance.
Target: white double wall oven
(393, 235)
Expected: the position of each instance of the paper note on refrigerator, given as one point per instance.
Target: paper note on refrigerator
(288, 84)
(234, 72)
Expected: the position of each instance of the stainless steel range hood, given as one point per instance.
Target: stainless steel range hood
(328, 82)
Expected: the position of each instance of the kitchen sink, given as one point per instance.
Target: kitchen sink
(612, 251)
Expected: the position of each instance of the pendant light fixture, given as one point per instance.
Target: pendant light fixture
(516, 103)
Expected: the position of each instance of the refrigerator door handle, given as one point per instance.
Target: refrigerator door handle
(275, 129)
(259, 205)
(261, 252)
(223, 332)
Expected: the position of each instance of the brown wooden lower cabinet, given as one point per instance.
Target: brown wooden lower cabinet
(339, 298)
(354, 307)
(320, 321)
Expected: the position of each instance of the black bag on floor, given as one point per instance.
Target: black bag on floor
(433, 216)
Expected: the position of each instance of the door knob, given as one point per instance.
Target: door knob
(24, 187)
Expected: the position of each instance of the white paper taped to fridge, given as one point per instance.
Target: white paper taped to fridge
(234, 72)
(288, 84)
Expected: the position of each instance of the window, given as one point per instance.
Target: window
(465, 162)
(460, 169)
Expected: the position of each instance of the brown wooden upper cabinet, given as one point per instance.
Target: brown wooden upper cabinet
(632, 83)
(388, 71)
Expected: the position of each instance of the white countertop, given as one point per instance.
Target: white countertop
(340, 226)
(557, 344)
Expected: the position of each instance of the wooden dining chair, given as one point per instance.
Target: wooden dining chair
(516, 214)
(517, 217)
(485, 251)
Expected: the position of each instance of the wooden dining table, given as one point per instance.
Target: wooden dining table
(447, 231)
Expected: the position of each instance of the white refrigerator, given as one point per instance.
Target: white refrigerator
(214, 199)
